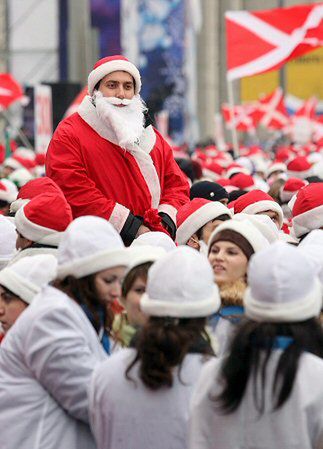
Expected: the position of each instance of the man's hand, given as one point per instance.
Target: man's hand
(142, 230)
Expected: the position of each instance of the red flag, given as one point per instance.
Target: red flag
(260, 41)
(271, 111)
(307, 109)
(76, 102)
(241, 120)
(10, 90)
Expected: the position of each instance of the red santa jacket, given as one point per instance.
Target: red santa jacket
(98, 177)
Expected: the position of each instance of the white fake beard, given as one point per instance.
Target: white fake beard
(127, 122)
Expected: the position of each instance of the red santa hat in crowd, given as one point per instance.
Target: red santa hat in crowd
(275, 167)
(33, 188)
(243, 182)
(112, 64)
(8, 191)
(194, 215)
(299, 167)
(307, 210)
(44, 219)
(212, 169)
(257, 201)
(283, 154)
(290, 188)
(234, 168)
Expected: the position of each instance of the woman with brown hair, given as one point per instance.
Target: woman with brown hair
(48, 356)
(268, 391)
(230, 247)
(139, 397)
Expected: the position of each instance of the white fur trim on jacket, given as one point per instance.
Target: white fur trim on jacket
(304, 309)
(113, 66)
(171, 211)
(202, 308)
(140, 152)
(119, 216)
(264, 205)
(308, 221)
(34, 232)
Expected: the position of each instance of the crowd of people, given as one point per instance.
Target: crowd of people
(152, 297)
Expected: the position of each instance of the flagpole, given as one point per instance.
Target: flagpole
(233, 128)
(22, 136)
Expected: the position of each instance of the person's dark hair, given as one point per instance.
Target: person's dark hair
(235, 194)
(141, 271)
(162, 345)
(9, 295)
(313, 179)
(84, 292)
(249, 354)
(223, 217)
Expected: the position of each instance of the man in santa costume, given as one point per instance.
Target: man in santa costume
(108, 163)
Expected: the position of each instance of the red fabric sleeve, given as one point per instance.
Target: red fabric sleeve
(65, 166)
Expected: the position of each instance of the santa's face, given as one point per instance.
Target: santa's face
(118, 84)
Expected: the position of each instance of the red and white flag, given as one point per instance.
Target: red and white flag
(260, 41)
(271, 111)
(10, 91)
(240, 120)
(308, 109)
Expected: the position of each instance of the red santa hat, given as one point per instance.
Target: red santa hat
(299, 167)
(234, 168)
(33, 188)
(255, 202)
(283, 154)
(243, 181)
(112, 64)
(291, 187)
(212, 169)
(275, 166)
(195, 214)
(44, 218)
(16, 161)
(308, 209)
(8, 191)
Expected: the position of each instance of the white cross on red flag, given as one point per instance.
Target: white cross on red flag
(260, 41)
(271, 111)
(240, 120)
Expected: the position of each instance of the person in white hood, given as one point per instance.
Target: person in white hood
(268, 392)
(48, 356)
(20, 283)
(139, 397)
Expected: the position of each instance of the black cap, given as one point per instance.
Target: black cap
(209, 190)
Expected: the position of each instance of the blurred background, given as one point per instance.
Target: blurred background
(178, 45)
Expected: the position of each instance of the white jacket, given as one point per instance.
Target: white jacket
(127, 415)
(297, 425)
(46, 361)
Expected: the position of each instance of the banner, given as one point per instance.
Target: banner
(161, 59)
(43, 117)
